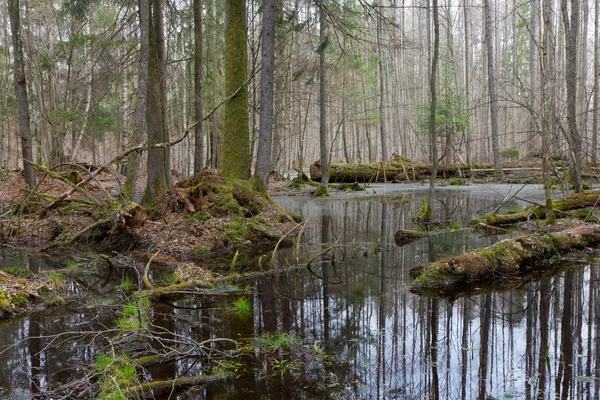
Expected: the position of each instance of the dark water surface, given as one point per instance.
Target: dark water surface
(538, 341)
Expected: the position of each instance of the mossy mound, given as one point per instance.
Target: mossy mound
(212, 194)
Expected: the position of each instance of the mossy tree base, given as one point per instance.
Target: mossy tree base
(503, 260)
(322, 191)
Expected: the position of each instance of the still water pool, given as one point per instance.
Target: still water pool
(363, 333)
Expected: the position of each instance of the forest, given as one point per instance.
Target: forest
(299, 199)
(351, 81)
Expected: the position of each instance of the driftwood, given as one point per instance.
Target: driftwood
(505, 259)
(572, 202)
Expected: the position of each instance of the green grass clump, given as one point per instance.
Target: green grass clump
(202, 250)
(117, 376)
(58, 280)
(277, 341)
(127, 285)
(198, 217)
(242, 307)
(17, 271)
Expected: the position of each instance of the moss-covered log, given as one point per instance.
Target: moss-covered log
(505, 259)
(152, 389)
(571, 202)
(402, 169)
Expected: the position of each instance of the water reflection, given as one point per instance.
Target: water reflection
(538, 341)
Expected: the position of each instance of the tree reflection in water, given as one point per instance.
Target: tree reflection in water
(538, 341)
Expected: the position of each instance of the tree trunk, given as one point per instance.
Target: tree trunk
(595, 127)
(382, 125)
(198, 105)
(433, 104)
(236, 141)
(533, 69)
(162, 79)
(280, 36)
(21, 92)
(265, 136)
(323, 140)
(139, 116)
(157, 183)
(492, 88)
(571, 28)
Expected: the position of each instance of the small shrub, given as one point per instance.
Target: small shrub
(127, 285)
(242, 306)
(510, 153)
(454, 182)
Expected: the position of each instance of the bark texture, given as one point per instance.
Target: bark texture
(236, 140)
(21, 92)
(265, 135)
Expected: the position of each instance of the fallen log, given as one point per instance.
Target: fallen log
(571, 202)
(504, 259)
(405, 236)
(150, 390)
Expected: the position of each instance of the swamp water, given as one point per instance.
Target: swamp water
(359, 332)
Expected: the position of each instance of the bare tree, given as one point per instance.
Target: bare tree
(21, 92)
(571, 29)
(265, 137)
(139, 116)
(596, 83)
(433, 104)
(323, 140)
(198, 105)
(382, 126)
(492, 88)
(157, 171)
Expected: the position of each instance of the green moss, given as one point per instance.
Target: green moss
(116, 374)
(20, 300)
(424, 215)
(4, 303)
(322, 191)
(236, 143)
(17, 271)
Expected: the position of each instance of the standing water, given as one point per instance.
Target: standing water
(362, 333)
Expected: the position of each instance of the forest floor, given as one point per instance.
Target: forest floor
(177, 234)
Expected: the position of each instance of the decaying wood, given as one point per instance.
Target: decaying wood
(571, 202)
(401, 169)
(405, 236)
(149, 390)
(505, 259)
